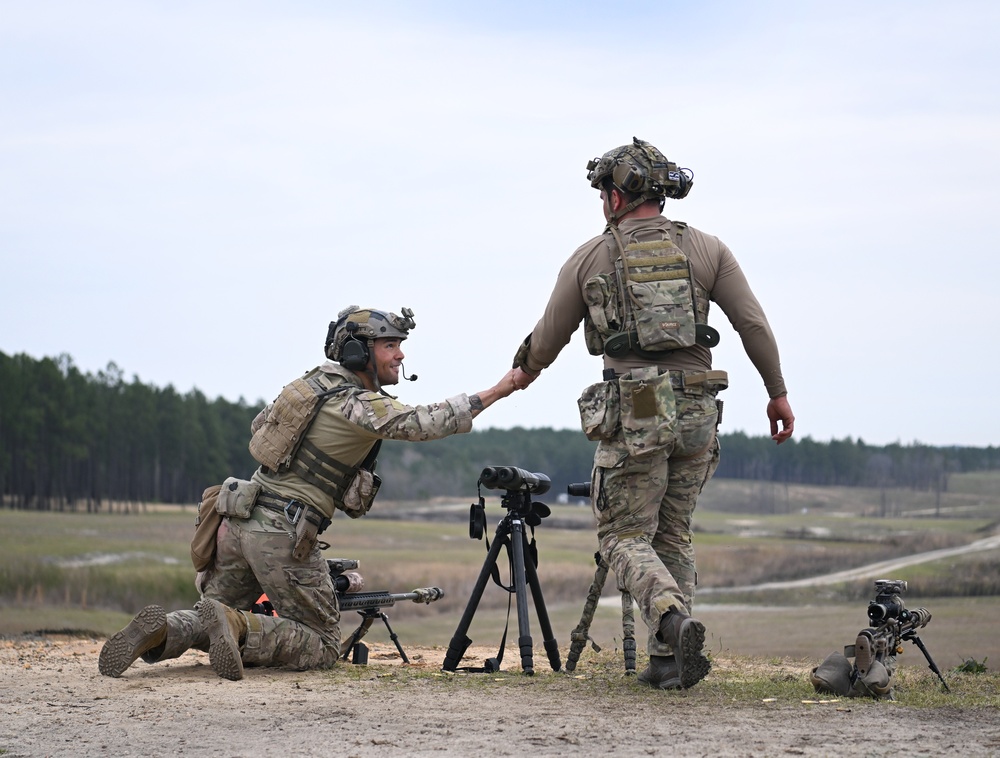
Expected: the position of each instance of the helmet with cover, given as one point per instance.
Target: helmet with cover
(350, 338)
(640, 170)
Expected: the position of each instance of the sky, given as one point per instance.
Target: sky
(193, 190)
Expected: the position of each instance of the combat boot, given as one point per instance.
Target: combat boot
(227, 630)
(661, 673)
(687, 638)
(148, 630)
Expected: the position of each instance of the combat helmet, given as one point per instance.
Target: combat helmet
(642, 170)
(350, 339)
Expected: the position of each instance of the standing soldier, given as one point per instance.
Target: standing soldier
(642, 289)
(316, 444)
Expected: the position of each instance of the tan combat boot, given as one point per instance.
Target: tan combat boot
(687, 638)
(227, 629)
(661, 673)
(144, 632)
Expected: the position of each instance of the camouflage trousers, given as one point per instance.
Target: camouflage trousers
(644, 505)
(254, 557)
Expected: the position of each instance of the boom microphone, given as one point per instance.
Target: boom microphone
(407, 378)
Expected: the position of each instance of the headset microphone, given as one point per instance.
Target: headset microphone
(407, 378)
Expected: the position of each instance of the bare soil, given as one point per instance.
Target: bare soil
(55, 703)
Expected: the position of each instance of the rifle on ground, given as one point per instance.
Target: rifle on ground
(369, 605)
(876, 647)
(347, 583)
(893, 624)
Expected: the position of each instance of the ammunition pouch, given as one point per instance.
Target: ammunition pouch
(237, 498)
(361, 493)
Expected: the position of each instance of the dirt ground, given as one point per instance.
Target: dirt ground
(55, 703)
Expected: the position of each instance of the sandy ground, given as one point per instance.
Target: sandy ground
(55, 703)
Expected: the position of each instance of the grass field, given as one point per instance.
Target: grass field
(90, 573)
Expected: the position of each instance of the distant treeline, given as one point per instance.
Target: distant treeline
(90, 442)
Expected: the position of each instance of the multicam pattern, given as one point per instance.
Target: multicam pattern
(644, 505)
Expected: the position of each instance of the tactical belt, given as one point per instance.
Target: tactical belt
(713, 381)
(293, 510)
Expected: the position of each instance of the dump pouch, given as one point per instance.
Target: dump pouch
(205, 528)
(648, 411)
(237, 497)
(600, 410)
(361, 493)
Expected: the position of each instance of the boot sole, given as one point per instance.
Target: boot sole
(126, 646)
(692, 664)
(223, 649)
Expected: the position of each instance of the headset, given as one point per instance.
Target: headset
(354, 353)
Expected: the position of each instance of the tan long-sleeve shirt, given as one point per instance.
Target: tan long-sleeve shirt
(715, 270)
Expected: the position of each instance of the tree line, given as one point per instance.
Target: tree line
(70, 440)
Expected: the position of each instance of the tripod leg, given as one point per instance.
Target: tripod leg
(524, 630)
(459, 641)
(548, 638)
(580, 635)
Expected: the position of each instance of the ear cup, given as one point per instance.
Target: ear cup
(354, 354)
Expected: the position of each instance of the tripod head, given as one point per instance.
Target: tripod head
(518, 485)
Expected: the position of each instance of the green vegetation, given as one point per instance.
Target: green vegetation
(91, 572)
(73, 441)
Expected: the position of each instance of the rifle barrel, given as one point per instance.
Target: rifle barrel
(357, 601)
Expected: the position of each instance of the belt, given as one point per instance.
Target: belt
(713, 380)
(292, 509)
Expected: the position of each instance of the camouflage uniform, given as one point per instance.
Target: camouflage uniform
(255, 554)
(649, 470)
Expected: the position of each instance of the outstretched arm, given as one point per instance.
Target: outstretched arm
(778, 409)
(483, 400)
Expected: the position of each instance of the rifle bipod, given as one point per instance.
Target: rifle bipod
(358, 650)
(509, 534)
(581, 634)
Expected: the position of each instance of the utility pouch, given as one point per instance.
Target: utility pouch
(648, 411)
(600, 410)
(237, 497)
(601, 296)
(306, 535)
(205, 528)
(361, 493)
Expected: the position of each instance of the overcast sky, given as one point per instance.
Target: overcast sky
(193, 190)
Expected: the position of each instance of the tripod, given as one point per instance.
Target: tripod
(510, 534)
